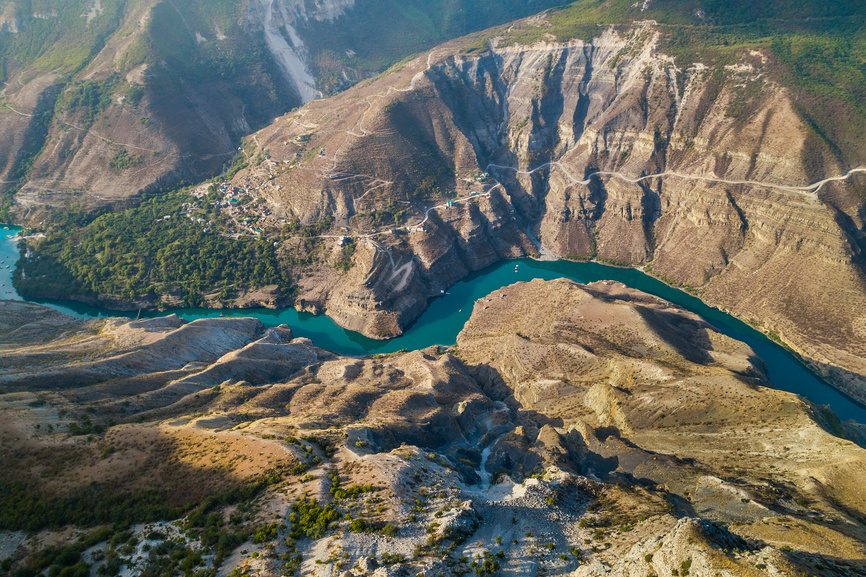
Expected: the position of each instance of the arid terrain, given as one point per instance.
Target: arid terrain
(463, 157)
(573, 429)
(357, 158)
(709, 174)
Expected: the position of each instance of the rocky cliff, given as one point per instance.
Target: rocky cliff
(101, 101)
(603, 149)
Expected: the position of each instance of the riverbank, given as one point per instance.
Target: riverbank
(447, 314)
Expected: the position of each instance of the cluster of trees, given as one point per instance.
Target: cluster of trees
(89, 99)
(23, 509)
(168, 559)
(268, 532)
(123, 160)
(222, 538)
(66, 561)
(310, 519)
(345, 261)
(139, 253)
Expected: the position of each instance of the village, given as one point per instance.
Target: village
(237, 212)
(234, 212)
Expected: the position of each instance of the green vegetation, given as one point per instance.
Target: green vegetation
(170, 557)
(487, 564)
(311, 520)
(362, 526)
(123, 160)
(326, 445)
(89, 99)
(23, 508)
(66, 561)
(64, 43)
(85, 426)
(347, 252)
(215, 533)
(268, 532)
(437, 184)
(392, 559)
(139, 253)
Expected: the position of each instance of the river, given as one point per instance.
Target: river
(447, 314)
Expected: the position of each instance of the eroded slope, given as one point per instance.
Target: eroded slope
(574, 429)
(558, 142)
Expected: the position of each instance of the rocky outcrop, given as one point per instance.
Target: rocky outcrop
(695, 547)
(629, 381)
(568, 133)
(586, 429)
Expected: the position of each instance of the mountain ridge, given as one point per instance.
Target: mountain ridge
(563, 226)
(376, 157)
(169, 88)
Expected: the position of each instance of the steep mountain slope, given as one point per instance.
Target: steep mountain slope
(684, 144)
(572, 134)
(578, 429)
(103, 99)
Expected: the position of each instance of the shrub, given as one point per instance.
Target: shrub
(309, 519)
(123, 160)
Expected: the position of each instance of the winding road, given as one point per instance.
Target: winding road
(358, 130)
(810, 190)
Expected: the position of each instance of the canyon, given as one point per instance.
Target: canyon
(359, 158)
(567, 138)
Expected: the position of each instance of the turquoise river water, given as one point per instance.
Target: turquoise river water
(447, 314)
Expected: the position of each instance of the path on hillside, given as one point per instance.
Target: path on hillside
(94, 134)
(412, 84)
(809, 190)
(358, 130)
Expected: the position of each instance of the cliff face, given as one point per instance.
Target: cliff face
(731, 216)
(616, 105)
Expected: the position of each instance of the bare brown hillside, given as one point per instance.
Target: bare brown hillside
(560, 141)
(578, 429)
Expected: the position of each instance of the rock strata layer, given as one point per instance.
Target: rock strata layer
(546, 148)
